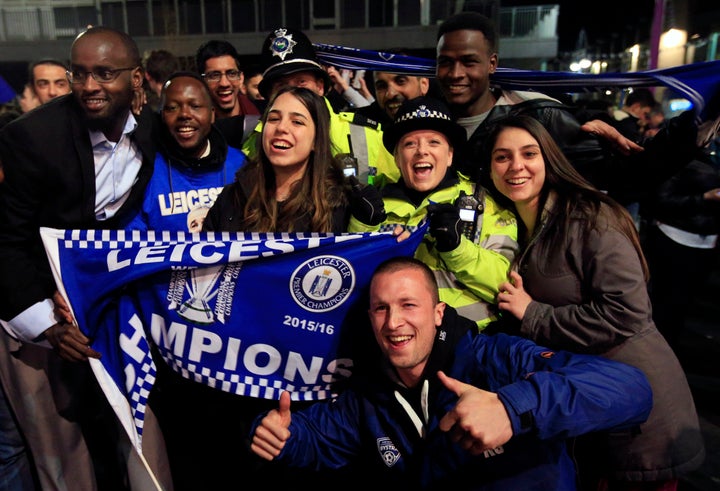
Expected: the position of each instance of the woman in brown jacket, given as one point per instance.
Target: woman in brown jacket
(580, 284)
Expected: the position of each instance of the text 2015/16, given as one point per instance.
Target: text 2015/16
(308, 325)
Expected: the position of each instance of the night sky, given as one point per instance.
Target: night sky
(606, 22)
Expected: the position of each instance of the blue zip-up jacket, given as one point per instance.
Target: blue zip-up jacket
(390, 433)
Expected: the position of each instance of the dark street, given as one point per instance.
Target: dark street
(699, 353)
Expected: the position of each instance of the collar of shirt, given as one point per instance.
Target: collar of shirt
(98, 137)
(117, 165)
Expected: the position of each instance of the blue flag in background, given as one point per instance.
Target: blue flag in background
(249, 314)
(7, 93)
(697, 82)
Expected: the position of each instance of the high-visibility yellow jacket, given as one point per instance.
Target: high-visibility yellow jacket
(375, 164)
(470, 275)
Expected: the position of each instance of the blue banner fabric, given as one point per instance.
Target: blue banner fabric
(696, 81)
(250, 314)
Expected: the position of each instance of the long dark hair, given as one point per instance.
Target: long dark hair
(575, 196)
(321, 189)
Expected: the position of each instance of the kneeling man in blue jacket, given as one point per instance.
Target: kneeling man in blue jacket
(440, 404)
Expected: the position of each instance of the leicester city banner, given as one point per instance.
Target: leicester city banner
(250, 314)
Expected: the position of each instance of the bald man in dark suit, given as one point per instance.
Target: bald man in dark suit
(81, 161)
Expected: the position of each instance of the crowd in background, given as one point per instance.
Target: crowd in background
(561, 241)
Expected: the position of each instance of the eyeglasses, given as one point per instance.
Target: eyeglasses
(216, 76)
(101, 75)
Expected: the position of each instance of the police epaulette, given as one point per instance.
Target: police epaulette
(361, 120)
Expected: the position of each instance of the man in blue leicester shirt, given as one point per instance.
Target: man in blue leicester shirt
(192, 165)
(441, 405)
(194, 161)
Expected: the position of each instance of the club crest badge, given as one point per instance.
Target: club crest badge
(322, 283)
(389, 453)
(283, 44)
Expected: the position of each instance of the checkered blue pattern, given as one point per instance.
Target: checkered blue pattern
(118, 285)
(422, 112)
(140, 391)
(257, 387)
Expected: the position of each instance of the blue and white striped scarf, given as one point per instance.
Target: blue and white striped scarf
(697, 81)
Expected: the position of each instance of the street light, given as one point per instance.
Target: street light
(672, 48)
(634, 57)
(580, 66)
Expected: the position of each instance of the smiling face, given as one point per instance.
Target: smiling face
(106, 105)
(224, 91)
(464, 64)
(288, 135)
(423, 157)
(188, 114)
(392, 89)
(404, 315)
(517, 167)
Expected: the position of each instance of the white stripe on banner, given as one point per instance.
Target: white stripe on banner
(250, 314)
(697, 81)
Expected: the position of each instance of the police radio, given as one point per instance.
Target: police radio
(348, 161)
(349, 164)
(469, 207)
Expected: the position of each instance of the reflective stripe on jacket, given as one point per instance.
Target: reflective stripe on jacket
(375, 164)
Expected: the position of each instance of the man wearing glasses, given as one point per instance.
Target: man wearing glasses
(235, 114)
(80, 161)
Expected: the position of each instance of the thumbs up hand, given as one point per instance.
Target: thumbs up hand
(272, 433)
(479, 420)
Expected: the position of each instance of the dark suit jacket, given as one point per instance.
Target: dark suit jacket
(50, 182)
